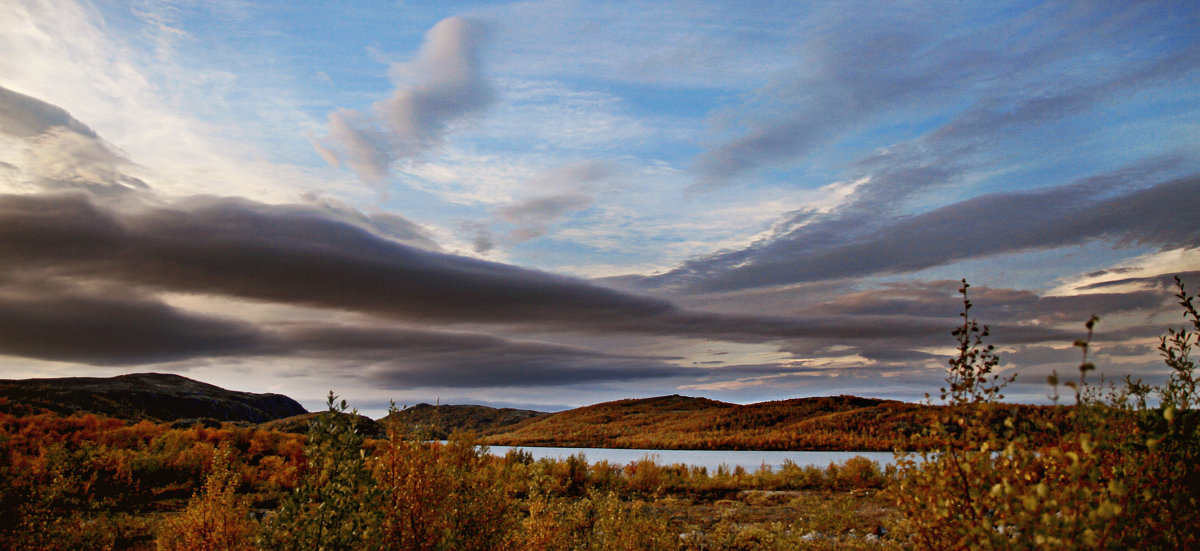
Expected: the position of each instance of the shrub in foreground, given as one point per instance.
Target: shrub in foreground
(1117, 475)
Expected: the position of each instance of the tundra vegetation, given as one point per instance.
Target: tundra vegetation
(1115, 473)
(1116, 468)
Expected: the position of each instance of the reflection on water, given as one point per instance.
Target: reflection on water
(710, 459)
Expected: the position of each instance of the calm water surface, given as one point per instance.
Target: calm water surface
(710, 459)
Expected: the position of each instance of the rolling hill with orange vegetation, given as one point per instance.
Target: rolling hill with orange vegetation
(680, 422)
(665, 422)
(441, 420)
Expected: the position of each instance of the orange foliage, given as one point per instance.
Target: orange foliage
(845, 423)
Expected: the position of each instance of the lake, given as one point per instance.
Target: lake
(710, 459)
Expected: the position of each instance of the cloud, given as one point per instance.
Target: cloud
(574, 186)
(1018, 320)
(386, 224)
(354, 140)
(876, 232)
(107, 325)
(854, 73)
(936, 299)
(442, 86)
(23, 116)
(299, 256)
(113, 327)
(580, 176)
(316, 258)
(482, 240)
(1072, 214)
(192, 118)
(64, 159)
(405, 358)
(845, 78)
(59, 151)
(288, 254)
(1158, 281)
(534, 216)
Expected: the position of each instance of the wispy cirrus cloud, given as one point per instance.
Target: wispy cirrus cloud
(853, 76)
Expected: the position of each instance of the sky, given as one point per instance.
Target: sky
(548, 204)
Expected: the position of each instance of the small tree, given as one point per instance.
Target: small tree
(944, 491)
(332, 508)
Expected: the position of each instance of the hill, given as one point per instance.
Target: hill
(151, 396)
(441, 420)
(680, 422)
(664, 422)
(298, 424)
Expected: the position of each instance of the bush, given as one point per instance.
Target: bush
(595, 522)
(1118, 475)
(215, 519)
(436, 496)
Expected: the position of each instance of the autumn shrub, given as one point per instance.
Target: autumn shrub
(597, 521)
(855, 473)
(791, 476)
(413, 488)
(1112, 473)
(435, 496)
(645, 476)
(619, 525)
(216, 518)
(573, 474)
(274, 474)
(63, 493)
(606, 477)
(730, 535)
(553, 523)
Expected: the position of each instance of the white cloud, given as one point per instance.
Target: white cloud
(148, 105)
(63, 158)
(49, 149)
(1129, 275)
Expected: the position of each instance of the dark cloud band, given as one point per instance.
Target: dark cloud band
(1158, 216)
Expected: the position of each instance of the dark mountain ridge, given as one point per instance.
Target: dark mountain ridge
(150, 396)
